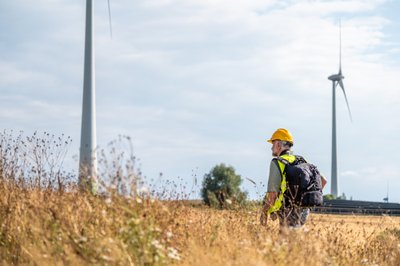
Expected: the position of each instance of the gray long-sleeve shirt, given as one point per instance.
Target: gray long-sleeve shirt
(275, 177)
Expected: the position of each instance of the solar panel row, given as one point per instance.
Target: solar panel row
(358, 207)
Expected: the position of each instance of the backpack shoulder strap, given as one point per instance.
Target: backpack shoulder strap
(284, 161)
(300, 159)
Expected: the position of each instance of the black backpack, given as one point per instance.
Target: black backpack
(304, 183)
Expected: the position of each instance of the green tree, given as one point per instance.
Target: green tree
(329, 197)
(221, 187)
(332, 197)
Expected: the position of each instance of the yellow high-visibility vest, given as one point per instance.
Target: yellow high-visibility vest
(278, 202)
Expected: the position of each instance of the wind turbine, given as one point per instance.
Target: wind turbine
(87, 155)
(387, 194)
(337, 79)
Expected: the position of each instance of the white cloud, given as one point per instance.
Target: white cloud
(200, 82)
(324, 8)
(12, 74)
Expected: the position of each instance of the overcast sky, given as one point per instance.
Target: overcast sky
(196, 83)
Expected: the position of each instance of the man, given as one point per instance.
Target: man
(275, 204)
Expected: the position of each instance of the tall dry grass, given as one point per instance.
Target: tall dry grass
(236, 238)
(46, 219)
(50, 222)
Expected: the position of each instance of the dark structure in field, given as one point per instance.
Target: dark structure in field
(358, 207)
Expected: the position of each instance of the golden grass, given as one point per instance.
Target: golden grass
(236, 238)
(44, 227)
(45, 220)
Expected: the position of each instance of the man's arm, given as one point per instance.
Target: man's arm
(269, 201)
(324, 181)
(274, 186)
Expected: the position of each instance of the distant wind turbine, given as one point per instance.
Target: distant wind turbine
(387, 194)
(336, 79)
(87, 155)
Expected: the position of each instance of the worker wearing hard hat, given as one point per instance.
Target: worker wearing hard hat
(282, 142)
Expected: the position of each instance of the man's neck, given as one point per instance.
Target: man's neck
(285, 152)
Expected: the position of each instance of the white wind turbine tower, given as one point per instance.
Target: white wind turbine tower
(87, 155)
(337, 79)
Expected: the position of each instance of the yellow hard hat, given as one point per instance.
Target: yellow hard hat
(281, 134)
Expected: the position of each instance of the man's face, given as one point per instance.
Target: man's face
(276, 147)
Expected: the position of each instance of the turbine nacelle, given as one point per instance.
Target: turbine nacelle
(336, 77)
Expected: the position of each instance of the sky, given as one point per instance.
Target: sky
(196, 83)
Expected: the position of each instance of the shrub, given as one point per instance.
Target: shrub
(221, 187)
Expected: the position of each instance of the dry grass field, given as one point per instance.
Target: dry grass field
(46, 220)
(44, 227)
(235, 238)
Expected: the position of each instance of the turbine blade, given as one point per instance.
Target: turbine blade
(109, 17)
(345, 97)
